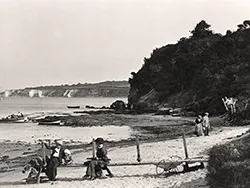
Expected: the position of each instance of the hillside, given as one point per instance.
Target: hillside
(196, 72)
(102, 89)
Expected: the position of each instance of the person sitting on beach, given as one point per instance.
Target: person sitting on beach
(55, 159)
(206, 124)
(19, 114)
(35, 167)
(95, 166)
(198, 125)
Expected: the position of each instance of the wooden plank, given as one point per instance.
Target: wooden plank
(147, 163)
(115, 164)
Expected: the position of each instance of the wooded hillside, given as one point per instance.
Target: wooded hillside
(196, 72)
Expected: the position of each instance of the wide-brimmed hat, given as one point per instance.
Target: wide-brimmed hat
(99, 140)
(67, 151)
(59, 142)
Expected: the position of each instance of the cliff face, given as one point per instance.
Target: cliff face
(103, 89)
(194, 73)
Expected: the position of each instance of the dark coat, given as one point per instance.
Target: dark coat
(54, 150)
(102, 154)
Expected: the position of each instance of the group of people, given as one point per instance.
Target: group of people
(48, 164)
(15, 116)
(95, 166)
(202, 125)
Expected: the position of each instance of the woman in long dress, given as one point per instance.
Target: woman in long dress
(198, 125)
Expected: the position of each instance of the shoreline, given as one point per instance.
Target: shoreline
(160, 139)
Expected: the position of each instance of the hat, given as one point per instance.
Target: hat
(66, 151)
(59, 142)
(99, 140)
(206, 113)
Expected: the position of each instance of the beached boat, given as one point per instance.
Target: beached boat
(70, 106)
(58, 122)
(14, 120)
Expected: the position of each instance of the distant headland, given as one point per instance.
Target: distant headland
(102, 89)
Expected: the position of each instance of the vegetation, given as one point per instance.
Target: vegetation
(196, 72)
(102, 89)
(229, 164)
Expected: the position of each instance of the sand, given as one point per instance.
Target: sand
(134, 176)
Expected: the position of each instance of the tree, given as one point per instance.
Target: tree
(246, 23)
(201, 30)
(241, 27)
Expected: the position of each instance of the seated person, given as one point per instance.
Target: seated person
(95, 166)
(55, 159)
(67, 159)
(35, 168)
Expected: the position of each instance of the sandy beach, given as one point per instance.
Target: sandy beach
(132, 176)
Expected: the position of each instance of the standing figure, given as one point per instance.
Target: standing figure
(95, 166)
(55, 159)
(230, 105)
(206, 124)
(198, 125)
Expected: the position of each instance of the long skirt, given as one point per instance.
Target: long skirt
(94, 169)
(51, 171)
(199, 129)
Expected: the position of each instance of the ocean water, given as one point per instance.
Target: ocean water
(31, 132)
(26, 105)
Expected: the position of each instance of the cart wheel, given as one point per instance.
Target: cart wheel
(169, 166)
(162, 167)
(177, 167)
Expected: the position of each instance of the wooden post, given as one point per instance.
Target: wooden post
(49, 147)
(138, 149)
(93, 148)
(185, 144)
(44, 154)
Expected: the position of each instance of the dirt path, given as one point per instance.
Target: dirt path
(139, 176)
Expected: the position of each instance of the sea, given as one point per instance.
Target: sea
(30, 132)
(27, 105)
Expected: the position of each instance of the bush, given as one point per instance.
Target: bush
(229, 164)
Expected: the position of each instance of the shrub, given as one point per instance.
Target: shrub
(229, 164)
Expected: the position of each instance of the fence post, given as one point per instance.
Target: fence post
(93, 148)
(49, 146)
(138, 149)
(44, 154)
(185, 144)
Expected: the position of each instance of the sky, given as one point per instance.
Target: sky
(53, 42)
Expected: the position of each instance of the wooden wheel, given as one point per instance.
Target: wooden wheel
(163, 166)
(177, 165)
(172, 165)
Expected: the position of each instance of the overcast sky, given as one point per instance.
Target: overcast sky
(45, 42)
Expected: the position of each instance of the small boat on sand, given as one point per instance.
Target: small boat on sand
(71, 106)
(14, 120)
(58, 122)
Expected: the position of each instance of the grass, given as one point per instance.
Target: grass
(229, 164)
